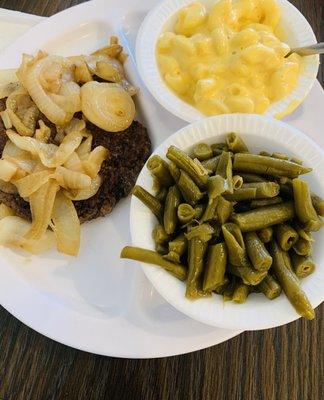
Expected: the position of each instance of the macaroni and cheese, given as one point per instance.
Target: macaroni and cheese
(228, 59)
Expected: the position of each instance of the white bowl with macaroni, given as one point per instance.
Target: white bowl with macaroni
(193, 90)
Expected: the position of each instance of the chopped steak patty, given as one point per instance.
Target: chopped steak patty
(128, 151)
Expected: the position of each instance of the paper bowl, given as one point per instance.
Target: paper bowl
(296, 31)
(258, 312)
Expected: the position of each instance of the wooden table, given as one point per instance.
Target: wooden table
(283, 364)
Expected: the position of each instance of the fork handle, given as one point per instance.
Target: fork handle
(317, 48)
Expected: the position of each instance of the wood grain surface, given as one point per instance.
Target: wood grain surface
(285, 363)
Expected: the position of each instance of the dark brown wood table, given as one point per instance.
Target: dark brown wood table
(285, 363)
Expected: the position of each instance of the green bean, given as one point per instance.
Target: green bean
(222, 287)
(159, 235)
(289, 281)
(265, 153)
(265, 234)
(151, 257)
(265, 202)
(210, 211)
(258, 254)
(270, 287)
(267, 165)
(303, 247)
(302, 266)
(241, 292)
(224, 209)
(193, 167)
(229, 292)
(199, 210)
(215, 267)
(218, 148)
(241, 194)
(161, 248)
(190, 191)
(211, 164)
(237, 182)
(304, 207)
(235, 245)
(149, 200)
(216, 185)
(252, 178)
(280, 156)
(196, 253)
(296, 160)
(185, 213)
(162, 194)
(204, 232)
(264, 189)
(248, 274)
(318, 204)
(236, 144)
(286, 236)
(177, 248)
(224, 169)
(174, 171)
(160, 170)
(263, 217)
(203, 151)
(302, 233)
(172, 203)
(156, 186)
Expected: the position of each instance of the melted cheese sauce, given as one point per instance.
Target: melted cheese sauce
(229, 59)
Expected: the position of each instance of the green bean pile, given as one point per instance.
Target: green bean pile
(232, 222)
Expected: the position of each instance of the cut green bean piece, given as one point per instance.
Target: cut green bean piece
(302, 266)
(185, 213)
(303, 247)
(296, 160)
(199, 210)
(216, 185)
(303, 205)
(177, 248)
(190, 191)
(249, 275)
(222, 287)
(236, 144)
(280, 156)
(286, 236)
(289, 281)
(267, 165)
(162, 194)
(252, 178)
(204, 232)
(202, 151)
(241, 194)
(241, 292)
(159, 235)
(270, 287)
(237, 181)
(160, 170)
(263, 189)
(318, 204)
(161, 248)
(224, 209)
(218, 148)
(196, 253)
(215, 267)
(149, 200)
(263, 217)
(265, 202)
(151, 257)
(172, 202)
(265, 234)
(302, 233)
(211, 164)
(193, 167)
(224, 169)
(258, 254)
(235, 244)
(174, 171)
(210, 211)
(265, 153)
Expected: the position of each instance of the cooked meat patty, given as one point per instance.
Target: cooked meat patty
(128, 151)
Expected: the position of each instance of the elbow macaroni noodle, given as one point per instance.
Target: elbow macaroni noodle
(229, 59)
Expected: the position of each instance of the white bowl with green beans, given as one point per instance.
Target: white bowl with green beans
(226, 222)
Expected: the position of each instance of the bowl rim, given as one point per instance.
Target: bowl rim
(155, 275)
(145, 47)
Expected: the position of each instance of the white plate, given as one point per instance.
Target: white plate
(97, 302)
(259, 133)
(107, 306)
(294, 27)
